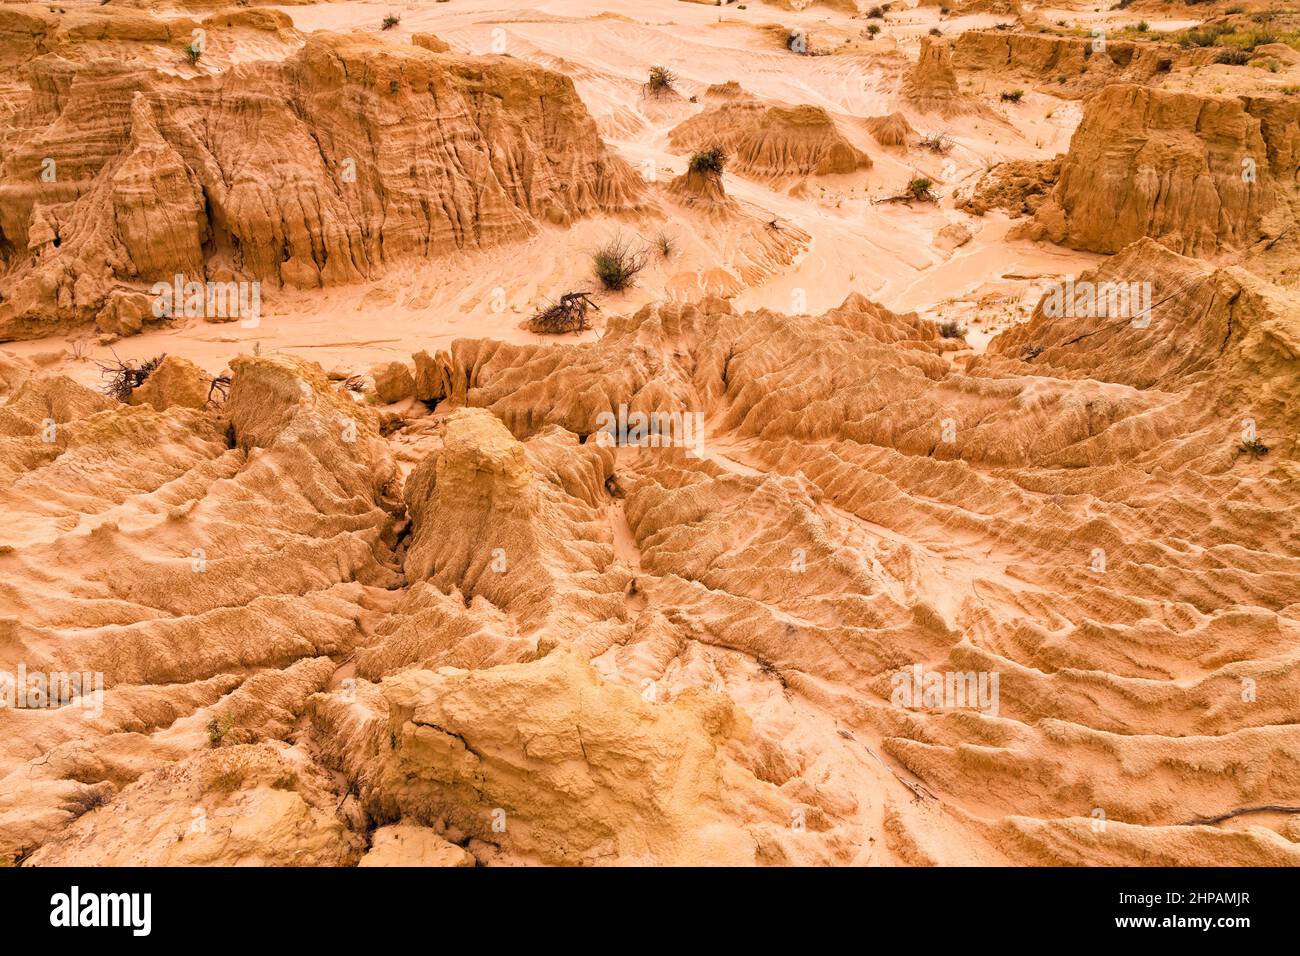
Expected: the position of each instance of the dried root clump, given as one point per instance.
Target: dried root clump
(1254, 447)
(567, 315)
(126, 377)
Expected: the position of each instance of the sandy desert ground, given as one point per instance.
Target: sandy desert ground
(927, 495)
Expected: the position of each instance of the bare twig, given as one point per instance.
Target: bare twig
(1240, 811)
(220, 386)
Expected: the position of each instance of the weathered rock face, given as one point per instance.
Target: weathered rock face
(500, 519)
(1221, 332)
(256, 533)
(1201, 174)
(1085, 64)
(430, 42)
(157, 204)
(643, 596)
(1018, 186)
(393, 382)
(176, 381)
(892, 129)
(405, 844)
(931, 84)
(772, 141)
(581, 772)
(28, 31)
(321, 168)
(260, 805)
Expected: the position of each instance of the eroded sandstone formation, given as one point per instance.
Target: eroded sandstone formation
(675, 589)
(1200, 173)
(931, 84)
(892, 129)
(322, 168)
(537, 646)
(1074, 65)
(772, 141)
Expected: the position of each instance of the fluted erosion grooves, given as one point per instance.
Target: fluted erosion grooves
(536, 648)
(318, 169)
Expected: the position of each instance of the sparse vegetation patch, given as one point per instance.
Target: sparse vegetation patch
(711, 161)
(661, 81)
(616, 263)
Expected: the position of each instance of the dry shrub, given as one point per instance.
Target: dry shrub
(567, 315)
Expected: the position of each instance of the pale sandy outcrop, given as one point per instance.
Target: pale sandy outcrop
(405, 844)
(704, 190)
(892, 129)
(581, 772)
(771, 141)
(393, 381)
(176, 381)
(259, 806)
(1018, 187)
(931, 84)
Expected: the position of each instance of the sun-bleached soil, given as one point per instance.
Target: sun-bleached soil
(929, 555)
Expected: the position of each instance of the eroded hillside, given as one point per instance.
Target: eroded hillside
(875, 521)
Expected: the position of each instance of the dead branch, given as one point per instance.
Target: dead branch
(220, 386)
(1240, 811)
(125, 377)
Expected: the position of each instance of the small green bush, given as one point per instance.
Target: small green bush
(922, 188)
(711, 161)
(616, 264)
(218, 727)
